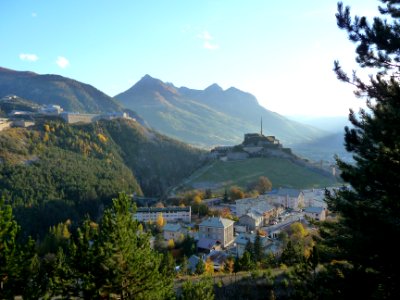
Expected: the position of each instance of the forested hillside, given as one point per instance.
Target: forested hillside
(56, 171)
(157, 161)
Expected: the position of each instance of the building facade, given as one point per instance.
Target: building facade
(170, 214)
(219, 229)
(288, 198)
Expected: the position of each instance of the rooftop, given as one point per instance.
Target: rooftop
(205, 243)
(163, 209)
(217, 222)
(314, 209)
(285, 192)
(172, 227)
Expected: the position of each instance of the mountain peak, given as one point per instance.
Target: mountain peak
(147, 79)
(148, 82)
(214, 88)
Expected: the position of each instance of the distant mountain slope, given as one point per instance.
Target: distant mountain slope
(327, 123)
(324, 148)
(208, 117)
(72, 95)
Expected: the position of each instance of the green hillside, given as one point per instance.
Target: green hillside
(55, 171)
(282, 173)
(157, 161)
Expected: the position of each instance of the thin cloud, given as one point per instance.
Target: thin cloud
(207, 40)
(28, 57)
(62, 62)
(205, 35)
(34, 15)
(208, 45)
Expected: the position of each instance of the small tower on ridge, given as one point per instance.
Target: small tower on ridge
(261, 126)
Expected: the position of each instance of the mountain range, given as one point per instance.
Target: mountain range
(203, 118)
(209, 117)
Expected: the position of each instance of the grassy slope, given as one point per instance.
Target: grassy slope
(281, 172)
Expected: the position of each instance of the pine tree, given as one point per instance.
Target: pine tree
(124, 264)
(245, 261)
(225, 198)
(200, 267)
(168, 265)
(8, 248)
(184, 270)
(370, 210)
(257, 248)
(203, 290)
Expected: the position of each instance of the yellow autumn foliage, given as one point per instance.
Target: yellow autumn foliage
(102, 138)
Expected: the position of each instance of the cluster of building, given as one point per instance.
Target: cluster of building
(22, 118)
(218, 238)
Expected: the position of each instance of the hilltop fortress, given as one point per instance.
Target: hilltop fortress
(254, 145)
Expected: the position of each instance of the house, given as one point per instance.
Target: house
(288, 198)
(243, 239)
(257, 209)
(170, 214)
(217, 228)
(315, 212)
(207, 245)
(252, 220)
(315, 197)
(173, 231)
(218, 258)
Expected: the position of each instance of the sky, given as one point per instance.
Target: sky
(280, 51)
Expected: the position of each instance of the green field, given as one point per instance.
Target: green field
(281, 172)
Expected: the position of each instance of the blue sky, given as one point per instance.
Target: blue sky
(280, 51)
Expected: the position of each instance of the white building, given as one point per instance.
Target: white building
(316, 213)
(219, 229)
(173, 231)
(51, 109)
(314, 197)
(255, 212)
(170, 214)
(288, 198)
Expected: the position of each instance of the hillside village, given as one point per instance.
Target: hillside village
(218, 238)
(153, 194)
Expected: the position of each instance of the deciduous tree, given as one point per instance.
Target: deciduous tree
(235, 193)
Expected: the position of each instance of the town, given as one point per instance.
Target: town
(218, 238)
